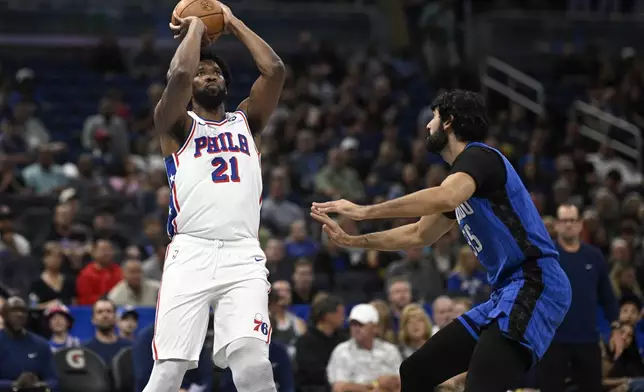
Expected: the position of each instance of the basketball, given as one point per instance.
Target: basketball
(208, 11)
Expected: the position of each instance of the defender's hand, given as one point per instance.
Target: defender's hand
(332, 229)
(180, 28)
(229, 17)
(342, 207)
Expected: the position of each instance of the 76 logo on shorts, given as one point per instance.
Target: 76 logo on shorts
(260, 325)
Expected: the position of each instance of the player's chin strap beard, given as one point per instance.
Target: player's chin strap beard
(208, 100)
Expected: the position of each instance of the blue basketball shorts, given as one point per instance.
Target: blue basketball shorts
(529, 305)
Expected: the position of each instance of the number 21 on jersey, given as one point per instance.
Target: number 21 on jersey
(222, 168)
(472, 240)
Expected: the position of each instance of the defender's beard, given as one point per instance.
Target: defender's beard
(436, 142)
(208, 99)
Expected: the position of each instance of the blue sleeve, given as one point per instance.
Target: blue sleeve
(142, 358)
(284, 370)
(605, 290)
(49, 374)
(454, 283)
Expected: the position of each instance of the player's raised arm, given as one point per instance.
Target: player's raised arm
(456, 189)
(265, 93)
(422, 233)
(171, 108)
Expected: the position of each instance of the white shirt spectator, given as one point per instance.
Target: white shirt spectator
(353, 364)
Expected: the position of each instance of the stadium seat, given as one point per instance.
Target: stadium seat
(123, 371)
(81, 370)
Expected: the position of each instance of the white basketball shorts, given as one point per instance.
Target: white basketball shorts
(230, 277)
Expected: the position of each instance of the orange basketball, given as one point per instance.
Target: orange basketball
(208, 11)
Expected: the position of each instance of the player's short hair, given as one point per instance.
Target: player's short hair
(466, 111)
(209, 54)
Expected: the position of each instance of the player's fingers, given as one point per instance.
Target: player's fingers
(322, 218)
(323, 205)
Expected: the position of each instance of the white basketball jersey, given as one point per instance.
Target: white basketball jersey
(216, 181)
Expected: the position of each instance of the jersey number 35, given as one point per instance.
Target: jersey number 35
(472, 240)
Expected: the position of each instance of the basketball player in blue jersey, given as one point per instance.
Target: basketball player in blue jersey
(215, 259)
(497, 341)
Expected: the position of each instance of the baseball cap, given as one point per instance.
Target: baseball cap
(127, 310)
(59, 309)
(364, 314)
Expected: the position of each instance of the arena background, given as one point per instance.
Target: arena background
(563, 80)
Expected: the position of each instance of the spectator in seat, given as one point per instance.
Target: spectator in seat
(153, 265)
(45, 177)
(337, 181)
(442, 312)
(364, 362)
(314, 348)
(108, 124)
(52, 286)
(128, 321)
(467, 278)
(278, 213)
(385, 323)
(303, 290)
(134, 289)
(415, 329)
(288, 327)
(106, 342)
(630, 310)
(10, 241)
(13, 145)
(26, 360)
(299, 244)
(421, 272)
(152, 230)
(398, 296)
(99, 276)
(60, 322)
(11, 181)
(279, 267)
(305, 160)
(64, 229)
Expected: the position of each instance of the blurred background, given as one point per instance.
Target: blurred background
(82, 181)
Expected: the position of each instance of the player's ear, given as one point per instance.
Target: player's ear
(448, 122)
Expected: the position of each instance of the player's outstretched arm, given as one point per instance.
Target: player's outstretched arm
(422, 233)
(183, 68)
(454, 190)
(265, 93)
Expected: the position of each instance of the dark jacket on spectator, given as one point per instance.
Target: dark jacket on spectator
(312, 353)
(29, 353)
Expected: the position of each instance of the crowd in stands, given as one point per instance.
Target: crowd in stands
(347, 127)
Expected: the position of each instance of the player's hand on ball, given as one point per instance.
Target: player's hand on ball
(181, 29)
(229, 17)
(332, 229)
(342, 207)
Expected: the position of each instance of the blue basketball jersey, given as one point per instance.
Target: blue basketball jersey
(504, 228)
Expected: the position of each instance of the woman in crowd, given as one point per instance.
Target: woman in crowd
(624, 281)
(415, 329)
(52, 286)
(385, 321)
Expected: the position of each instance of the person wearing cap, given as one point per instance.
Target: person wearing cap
(364, 362)
(60, 322)
(128, 321)
(26, 361)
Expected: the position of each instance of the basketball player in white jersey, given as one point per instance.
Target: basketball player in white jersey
(213, 167)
